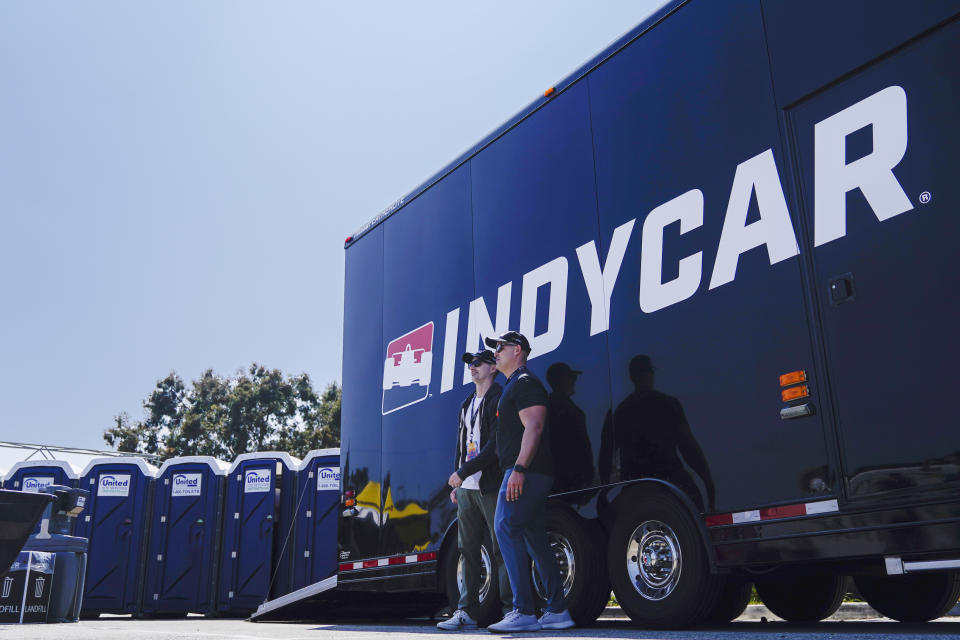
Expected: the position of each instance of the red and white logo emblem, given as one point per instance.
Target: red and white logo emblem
(406, 369)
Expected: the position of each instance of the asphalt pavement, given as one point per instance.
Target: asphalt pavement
(850, 623)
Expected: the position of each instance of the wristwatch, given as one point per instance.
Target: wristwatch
(520, 468)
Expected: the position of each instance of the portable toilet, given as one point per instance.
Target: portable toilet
(181, 568)
(255, 560)
(36, 475)
(318, 497)
(116, 523)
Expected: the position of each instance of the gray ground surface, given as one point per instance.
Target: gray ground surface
(749, 626)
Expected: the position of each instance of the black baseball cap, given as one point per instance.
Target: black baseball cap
(510, 337)
(484, 355)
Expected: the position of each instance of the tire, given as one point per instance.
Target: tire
(489, 594)
(578, 545)
(803, 598)
(733, 601)
(911, 598)
(677, 590)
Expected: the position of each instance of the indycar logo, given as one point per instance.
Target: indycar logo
(406, 369)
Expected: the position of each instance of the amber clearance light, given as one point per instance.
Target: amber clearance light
(794, 393)
(793, 377)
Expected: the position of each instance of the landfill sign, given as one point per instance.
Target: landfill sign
(407, 368)
(25, 590)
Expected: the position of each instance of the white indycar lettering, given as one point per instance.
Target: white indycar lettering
(654, 293)
(885, 112)
(479, 325)
(600, 281)
(773, 229)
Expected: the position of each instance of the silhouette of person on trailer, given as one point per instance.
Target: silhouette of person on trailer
(647, 436)
(572, 452)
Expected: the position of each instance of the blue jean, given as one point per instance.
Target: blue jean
(521, 528)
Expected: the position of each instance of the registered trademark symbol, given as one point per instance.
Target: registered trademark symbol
(925, 197)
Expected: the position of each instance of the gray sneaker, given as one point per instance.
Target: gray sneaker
(459, 621)
(562, 620)
(515, 621)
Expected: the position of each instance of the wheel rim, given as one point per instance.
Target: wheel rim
(563, 552)
(654, 560)
(484, 573)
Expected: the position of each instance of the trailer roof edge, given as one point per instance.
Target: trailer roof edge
(596, 61)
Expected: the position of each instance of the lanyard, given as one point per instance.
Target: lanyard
(474, 410)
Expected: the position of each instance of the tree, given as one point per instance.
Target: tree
(256, 410)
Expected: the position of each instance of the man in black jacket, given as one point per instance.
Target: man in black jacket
(476, 483)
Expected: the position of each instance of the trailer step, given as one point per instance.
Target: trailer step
(896, 566)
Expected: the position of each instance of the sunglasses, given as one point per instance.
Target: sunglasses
(501, 345)
(478, 362)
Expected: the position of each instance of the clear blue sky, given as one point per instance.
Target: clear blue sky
(177, 178)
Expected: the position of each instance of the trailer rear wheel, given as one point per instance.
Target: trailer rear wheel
(489, 593)
(578, 545)
(911, 598)
(804, 598)
(658, 565)
(733, 601)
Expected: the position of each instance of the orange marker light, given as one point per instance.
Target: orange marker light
(793, 377)
(794, 393)
(549, 92)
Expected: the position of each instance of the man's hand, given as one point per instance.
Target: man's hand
(453, 496)
(455, 480)
(515, 486)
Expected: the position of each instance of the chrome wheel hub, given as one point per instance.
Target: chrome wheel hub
(485, 565)
(563, 551)
(654, 560)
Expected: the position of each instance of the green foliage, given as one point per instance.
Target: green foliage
(256, 410)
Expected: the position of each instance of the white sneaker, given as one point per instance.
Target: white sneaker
(459, 621)
(515, 621)
(562, 620)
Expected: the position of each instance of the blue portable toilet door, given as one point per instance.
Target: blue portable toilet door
(317, 518)
(188, 522)
(251, 523)
(115, 528)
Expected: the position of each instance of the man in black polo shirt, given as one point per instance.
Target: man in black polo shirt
(523, 447)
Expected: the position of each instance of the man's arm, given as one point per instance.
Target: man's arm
(486, 457)
(533, 419)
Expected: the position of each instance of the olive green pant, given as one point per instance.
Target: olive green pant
(474, 513)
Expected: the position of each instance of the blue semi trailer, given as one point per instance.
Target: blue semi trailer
(737, 226)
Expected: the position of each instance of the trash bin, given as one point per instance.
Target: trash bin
(19, 513)
(49, 571)
(33, 476)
